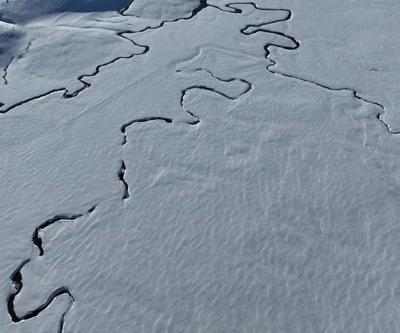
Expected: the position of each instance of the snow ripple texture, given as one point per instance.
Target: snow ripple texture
(199, 166)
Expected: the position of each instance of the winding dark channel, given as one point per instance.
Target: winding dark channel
(16, 276)
(5, 72)
(121, 176)
(140, 120)
(296, 45)
(37, 240)
(85, 84)
(196, 120)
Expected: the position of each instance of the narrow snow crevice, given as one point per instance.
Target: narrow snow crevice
(67, 94)
(37, 240)
(121, 176)
(184, 91)
(98, 68)
(123, 129)
(26, 51)
(125, 126)
(248, 84)
(354, 93)
(17, 281)
(259, 28)
(5, 72)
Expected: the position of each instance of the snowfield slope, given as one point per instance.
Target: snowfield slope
(199, 166)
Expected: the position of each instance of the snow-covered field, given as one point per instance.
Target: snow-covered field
(199, 166)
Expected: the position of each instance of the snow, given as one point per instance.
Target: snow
(22, 10)
(163, 170)
(165, 10)
(354, 48)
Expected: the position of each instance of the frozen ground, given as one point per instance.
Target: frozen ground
(199, 166)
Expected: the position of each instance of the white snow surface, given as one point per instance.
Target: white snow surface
(166, 10)
(186, 166)
(21, 10)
